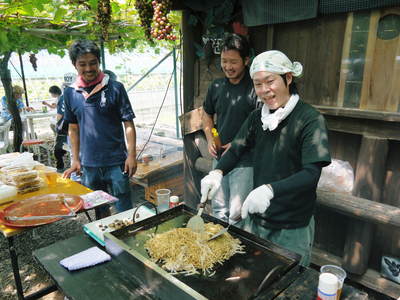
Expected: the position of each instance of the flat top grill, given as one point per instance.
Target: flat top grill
(237, 278)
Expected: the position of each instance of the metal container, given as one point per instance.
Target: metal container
(261, 271)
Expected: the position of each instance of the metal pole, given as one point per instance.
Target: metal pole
(176, 95)
(23, 78)
(149, 71)
(103, 59)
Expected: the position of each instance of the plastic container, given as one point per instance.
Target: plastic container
(163, 199)
(327, 286)
(338, 272)
(7, 192)
(51, 176)
(173, 201)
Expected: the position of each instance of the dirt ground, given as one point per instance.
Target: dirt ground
(33, 277)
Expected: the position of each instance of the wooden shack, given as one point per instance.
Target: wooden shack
(352, 69)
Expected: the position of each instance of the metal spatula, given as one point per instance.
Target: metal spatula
(196, 223)
(219, 233)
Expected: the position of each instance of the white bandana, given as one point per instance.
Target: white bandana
(275, 62)
(271, 121)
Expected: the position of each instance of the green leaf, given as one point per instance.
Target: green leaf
(115, 8)
(93, 4)
(3, 37)
(28, 8)
(60, 12)
(38, 4)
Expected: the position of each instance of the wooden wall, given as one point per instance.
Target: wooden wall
(317, 44)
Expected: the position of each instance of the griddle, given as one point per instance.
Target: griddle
(260, 271)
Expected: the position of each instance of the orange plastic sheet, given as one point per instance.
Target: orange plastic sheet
(62, 185)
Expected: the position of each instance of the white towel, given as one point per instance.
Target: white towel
(271, 120)
(86, 258)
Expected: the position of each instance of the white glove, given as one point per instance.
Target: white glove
(210, 185)
(257, 201)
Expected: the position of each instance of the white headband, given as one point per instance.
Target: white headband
(275, 62)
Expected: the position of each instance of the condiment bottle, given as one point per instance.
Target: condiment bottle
(173, 201)
(217, 142)
(327, 286)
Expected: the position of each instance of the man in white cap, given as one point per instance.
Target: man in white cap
(290, 143)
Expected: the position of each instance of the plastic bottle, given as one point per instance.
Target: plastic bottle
(217, 142)
(173, 201)
(327, 286)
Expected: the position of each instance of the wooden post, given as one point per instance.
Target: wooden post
(191, 178)
(370, 174)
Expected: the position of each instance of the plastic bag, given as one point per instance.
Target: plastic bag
(337, 177)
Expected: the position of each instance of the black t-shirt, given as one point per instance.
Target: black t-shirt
(232, 103)
(299, 140)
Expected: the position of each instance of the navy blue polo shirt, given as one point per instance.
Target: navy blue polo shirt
(100, 118)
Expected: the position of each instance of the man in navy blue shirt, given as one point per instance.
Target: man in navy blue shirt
(98, 110)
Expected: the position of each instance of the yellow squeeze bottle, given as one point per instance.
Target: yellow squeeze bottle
(217, 142)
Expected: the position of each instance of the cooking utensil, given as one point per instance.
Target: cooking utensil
(237, 278)
(222, 231)
(219, 233)
(196, 223)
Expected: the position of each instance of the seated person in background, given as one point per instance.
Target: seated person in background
(17, 92)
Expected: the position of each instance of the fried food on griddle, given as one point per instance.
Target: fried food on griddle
(181, 250)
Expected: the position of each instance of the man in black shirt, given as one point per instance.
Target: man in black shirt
(230, 99)
(290, 144)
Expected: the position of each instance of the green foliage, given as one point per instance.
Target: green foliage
(20, 20)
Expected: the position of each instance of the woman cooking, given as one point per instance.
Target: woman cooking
(290, 144)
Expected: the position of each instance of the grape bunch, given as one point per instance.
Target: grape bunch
(145, 10)
(33, 60)
(104, 16)
(162, 28)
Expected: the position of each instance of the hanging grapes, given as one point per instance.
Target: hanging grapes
(145, 10)
(104, 16)
(162, 28)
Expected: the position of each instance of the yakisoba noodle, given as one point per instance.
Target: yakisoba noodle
(182, 250)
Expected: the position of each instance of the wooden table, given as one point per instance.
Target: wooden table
(112, 280)
(62, 186)
(165, 170)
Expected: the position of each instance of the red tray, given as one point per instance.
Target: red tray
(42, 205)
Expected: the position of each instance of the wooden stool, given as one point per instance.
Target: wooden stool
(34, 144)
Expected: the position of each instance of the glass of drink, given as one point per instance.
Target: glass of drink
(51, 176)
(338, 272)
(163, 199)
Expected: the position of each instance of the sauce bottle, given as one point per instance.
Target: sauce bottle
(217, 142)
